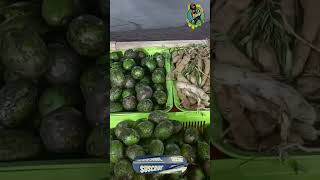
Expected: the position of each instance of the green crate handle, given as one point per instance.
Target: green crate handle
(191, 116)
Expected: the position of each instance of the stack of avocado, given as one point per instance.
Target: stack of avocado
(158, 135)
(138, 81)
(53, 74)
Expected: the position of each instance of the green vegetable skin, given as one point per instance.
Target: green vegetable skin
(128, 92)
(158, 76)
(60, 12)
(134, 151)
(160, 96)
(128, 136)
(55, 97)
(87, 35)
(17, 102)
(164, 130)
(27, 47)
(129, 72)
(130, 54)
(156, 147)
(145, 105)
(115, 94)
(128, 64)
(137, 72)
(97, 144)
(115, 56)
(21, 16)
(160, 136)
(123, 170)
(116, 151)
(144, 92)
(65, 67)
(63, 131)
(129, 103)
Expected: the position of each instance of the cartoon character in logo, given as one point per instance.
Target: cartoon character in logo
(195, 15)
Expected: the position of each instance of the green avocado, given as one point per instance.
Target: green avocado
(123, 170)
(129, 103)
(97, 144)
(156, 148)
(151, 64)
(145, 105)
(116, 65)
(128, 92)
(164, 130)
(160, 87)
(115, 56)
(144, 92)
(140, 54)
(115, 94)
(160, 97)
(203, 151)
(172, 149)
(18, 100)
(57, 96)
(130, 54)
(115, 107)
(145, 129)
(143, 61)
(116, 151)
(87, 35)
(159, 58)
(60, 12)
(137, 72)
(129, 82)
(188, 152)
(128, 136)
(128, 64)
(117, 78)
(191, 135)
(25, 53)
(134, 151)
(64, 131)
(65, 66)
(126, 124)
(159, 76)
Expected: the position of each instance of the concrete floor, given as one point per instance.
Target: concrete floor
(154, 17)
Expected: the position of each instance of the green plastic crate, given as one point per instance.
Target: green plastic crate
(81, 169)
(237, 169)
(176, 99)
(191, 116)
(169, 83)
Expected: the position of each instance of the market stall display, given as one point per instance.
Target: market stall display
(138, 80)
(160, 133)
(44, 55)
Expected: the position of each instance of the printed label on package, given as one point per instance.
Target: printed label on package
(160, 164)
